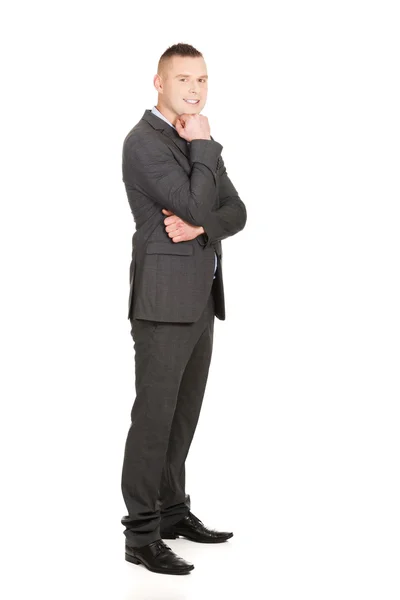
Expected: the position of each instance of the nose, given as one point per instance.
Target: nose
(194, 89)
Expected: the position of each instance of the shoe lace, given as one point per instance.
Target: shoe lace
(195, 519)
(160, 546)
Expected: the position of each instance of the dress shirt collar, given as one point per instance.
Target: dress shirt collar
(158, 114)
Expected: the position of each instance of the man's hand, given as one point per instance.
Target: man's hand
(178, 230)
(193, 127)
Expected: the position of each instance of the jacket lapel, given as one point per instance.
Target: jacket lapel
(167, 130)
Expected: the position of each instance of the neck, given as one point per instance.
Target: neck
(168, 114)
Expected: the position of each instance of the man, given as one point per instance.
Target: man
(183, 204)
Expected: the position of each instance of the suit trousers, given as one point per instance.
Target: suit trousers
(171, 369)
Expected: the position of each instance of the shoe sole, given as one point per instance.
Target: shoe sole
(137, 561)
(174, 536)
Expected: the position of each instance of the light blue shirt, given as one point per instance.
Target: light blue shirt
(155, 111)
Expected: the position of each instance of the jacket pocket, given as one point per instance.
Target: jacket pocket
(169, 248)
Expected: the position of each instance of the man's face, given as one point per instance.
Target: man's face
(185, 79)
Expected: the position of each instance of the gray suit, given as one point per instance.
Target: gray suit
(171, 281)
(172, 302)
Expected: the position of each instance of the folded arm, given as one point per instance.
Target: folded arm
(155, 171)
(229, 218)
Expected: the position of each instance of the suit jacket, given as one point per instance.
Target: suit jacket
(171, 281)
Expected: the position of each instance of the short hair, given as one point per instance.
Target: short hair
(176, 50)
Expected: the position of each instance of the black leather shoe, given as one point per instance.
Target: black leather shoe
(158, 557)
(193, 529)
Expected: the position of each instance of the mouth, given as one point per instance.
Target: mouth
(191, 101)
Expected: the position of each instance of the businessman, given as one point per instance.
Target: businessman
(183, 204)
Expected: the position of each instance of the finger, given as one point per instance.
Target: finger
(172, 231)
(171, 227)
(178, 238)
(175, 221)
(171, 220)
(167, 212)
(183, 118)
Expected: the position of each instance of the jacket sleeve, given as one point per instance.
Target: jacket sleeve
(154, 170)
(229, 218)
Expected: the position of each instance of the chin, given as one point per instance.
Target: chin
(192, 109)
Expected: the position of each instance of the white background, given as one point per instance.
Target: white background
(297, 448)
